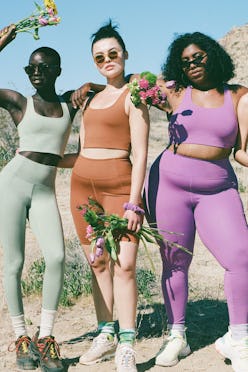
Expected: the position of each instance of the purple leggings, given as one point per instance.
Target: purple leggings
(184, 194)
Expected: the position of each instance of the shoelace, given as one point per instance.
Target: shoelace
(127, 357)
(22, 343)
(51, 346)
(98, 341)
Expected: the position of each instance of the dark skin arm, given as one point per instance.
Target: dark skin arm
(12, 101)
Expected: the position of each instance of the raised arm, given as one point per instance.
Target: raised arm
(7, 34)
(12, 101)
(240, 153)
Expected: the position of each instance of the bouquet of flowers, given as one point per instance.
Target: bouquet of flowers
(42, 16)
(105, 230)
(146, 90)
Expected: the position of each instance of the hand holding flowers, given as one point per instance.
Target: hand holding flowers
(146, 90)
(42, 16)
(105, 230)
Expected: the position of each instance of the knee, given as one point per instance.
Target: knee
(125, 271)
(55, 261)
(100, 265)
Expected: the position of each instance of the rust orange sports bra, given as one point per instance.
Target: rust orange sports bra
(108, 127)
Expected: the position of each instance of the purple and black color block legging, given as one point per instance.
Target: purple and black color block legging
(183, 195)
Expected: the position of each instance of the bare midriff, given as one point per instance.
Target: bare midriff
(41, 157)
(101, 153)
(202, 152)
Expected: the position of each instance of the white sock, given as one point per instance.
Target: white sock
(239, 331)
(47, 322)
(19, 325)
(179, 328)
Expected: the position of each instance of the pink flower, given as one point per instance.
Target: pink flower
(50, 11)
(53, 20)
(83, 211)
(89, 231)
(144, 84)
(143, 95)
(43, 21)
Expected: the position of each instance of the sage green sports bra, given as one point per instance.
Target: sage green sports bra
(40, 133)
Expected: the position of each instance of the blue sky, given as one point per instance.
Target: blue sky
(147, 26)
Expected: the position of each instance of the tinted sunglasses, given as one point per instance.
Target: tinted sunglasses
(41, 68)
(100, 58)
(196, 61)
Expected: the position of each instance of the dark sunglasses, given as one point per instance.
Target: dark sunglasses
(196, 61)
(100, 58)
(41, 68)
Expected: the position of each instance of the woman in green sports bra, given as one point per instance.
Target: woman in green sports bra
(27, 187)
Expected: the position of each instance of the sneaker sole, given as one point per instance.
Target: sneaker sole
(220, 350)
(185, 352)
(102, 359)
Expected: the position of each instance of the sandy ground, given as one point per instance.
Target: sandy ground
(75, 325)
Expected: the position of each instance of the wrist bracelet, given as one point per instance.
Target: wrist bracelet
(134, 208)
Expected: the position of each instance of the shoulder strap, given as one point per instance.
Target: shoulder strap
(91, 96)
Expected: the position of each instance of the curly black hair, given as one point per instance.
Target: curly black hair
(106, 31)
(219, 64)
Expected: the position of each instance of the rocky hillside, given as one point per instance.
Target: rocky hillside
(236, 44)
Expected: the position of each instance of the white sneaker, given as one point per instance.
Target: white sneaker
(175, 347)
(125, 358)
(103, 348)
(236, 351)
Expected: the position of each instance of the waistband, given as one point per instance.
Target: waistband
(30, 171)
(102, 168)
(186, 166)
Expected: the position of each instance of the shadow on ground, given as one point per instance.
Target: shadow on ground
(207, 320)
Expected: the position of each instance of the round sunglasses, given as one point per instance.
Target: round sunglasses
(100, 58)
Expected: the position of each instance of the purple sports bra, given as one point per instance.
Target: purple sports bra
(204, 126)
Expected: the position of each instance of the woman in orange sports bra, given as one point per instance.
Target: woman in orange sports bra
(112, 128)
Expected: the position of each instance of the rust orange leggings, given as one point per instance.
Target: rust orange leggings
(108, 181)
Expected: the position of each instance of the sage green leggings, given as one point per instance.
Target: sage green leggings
(27, 191)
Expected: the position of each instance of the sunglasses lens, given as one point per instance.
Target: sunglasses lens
(29, 69)
(197, 61)
(113, 54)
(41, 68)
(100, 58)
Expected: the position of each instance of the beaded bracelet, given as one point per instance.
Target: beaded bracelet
(134, 208)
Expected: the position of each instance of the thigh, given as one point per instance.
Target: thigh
(14, 203)
(222, 226)
(45, 222)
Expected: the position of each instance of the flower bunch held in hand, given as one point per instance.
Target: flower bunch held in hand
(105, 231)
(146, 90)
(43, 16)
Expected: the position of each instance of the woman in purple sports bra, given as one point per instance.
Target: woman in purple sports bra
(192, 186)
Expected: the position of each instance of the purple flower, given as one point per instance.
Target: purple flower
(100, 243)
(99, 251)
(170, 84)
